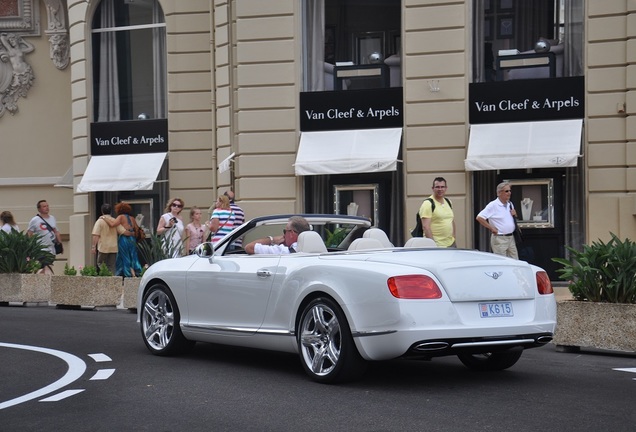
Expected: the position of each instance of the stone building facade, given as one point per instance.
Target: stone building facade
(233, 79)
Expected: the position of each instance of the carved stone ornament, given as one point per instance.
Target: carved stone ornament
(16, 75)
(57, 33)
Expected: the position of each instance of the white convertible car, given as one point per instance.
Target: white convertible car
(347, 297)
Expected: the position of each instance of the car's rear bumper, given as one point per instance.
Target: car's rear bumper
(423, 344)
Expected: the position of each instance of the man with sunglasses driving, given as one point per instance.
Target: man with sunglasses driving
(282, 244)
(498, 218)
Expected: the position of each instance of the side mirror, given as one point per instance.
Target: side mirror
(204, 250)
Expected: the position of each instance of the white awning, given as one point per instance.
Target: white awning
(121, 172)
(348, 151)
(543, 144)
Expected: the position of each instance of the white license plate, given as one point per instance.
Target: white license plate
(494, 310)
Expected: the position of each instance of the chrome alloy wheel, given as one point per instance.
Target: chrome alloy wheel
(320, 339)
(158, 320)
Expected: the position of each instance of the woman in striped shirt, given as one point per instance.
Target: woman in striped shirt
(222, 220)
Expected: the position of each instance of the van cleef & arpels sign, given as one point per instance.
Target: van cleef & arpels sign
(527, 100)
(127, 137)
(351, 109)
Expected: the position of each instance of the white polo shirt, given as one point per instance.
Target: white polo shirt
(498, 215)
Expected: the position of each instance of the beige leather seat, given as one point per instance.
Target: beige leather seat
(310, 242)
(378, 234)
(420, 242)
(365, 243)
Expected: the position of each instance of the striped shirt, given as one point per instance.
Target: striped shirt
(226, 223)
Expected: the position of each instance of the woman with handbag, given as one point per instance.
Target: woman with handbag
(222, 221)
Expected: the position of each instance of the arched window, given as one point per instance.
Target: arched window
(129, 60)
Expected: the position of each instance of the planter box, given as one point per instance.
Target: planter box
(25, 288)
(131, 285)
(610, 326)
(93, 291)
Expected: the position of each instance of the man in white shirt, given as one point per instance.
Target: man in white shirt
(45, 225)
(498, 218)
(283, 244)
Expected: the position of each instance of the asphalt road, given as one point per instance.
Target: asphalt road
(84, 370)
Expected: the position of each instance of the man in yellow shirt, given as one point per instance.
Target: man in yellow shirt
(105, 240)
(438, 219)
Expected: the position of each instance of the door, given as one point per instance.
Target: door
(231, 293)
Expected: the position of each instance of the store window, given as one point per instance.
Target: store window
(523, 39)
(352, 44)
(129, 60)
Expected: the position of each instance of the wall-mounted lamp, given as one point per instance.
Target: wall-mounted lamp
(433, 86)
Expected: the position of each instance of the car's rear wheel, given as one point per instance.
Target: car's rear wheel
(491, 361)
(327, 351)
(160, 322)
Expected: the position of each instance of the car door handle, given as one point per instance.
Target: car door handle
(263, 273)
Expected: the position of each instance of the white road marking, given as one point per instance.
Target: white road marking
(99, 357)
(76, 368)
(62, 395)
(103, 374)
(632, 370)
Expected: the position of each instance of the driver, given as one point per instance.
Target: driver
(283, 244)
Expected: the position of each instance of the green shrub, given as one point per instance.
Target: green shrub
(20, 253)
(104, 270)
(88, 271)
(69, 271)
(602, 272)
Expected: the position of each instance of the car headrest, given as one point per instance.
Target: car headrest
(365, 243)
(420, 242)
(378, 234)
(310, 242)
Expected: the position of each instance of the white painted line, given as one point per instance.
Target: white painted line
(632, 370)
(103, 374)
(63, 395)
(100, 357)
(76, 368)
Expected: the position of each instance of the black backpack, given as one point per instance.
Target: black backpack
(418, 231)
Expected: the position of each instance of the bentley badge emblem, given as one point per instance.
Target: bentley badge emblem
(494, 275)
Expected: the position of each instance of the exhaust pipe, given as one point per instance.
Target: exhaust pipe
(431, 346)
(544, 339)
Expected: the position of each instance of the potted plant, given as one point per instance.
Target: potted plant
(20, 260)
(602, 280)
(93, 287)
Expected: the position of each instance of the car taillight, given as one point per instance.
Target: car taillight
(414, 287)
(544, 286)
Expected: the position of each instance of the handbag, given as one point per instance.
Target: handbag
(59, 248)
(140, 235)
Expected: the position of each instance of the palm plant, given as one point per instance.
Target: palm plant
(602, 272)
(156, 248)
(20, 253)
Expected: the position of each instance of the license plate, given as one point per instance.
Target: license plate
(494, 310)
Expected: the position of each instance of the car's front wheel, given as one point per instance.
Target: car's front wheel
(491, 361)
(327, 351)
(160, 322)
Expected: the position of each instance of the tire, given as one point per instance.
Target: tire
(327, 351)
(160, 320)
(493, 361)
